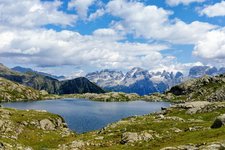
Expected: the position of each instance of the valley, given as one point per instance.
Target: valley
(194, 120)
(112, 74)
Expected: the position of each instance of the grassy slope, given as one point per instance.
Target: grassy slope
(163, 131)
(205, 88)
(51, 85)
(13, 91)
(163, 134)
(31, 136)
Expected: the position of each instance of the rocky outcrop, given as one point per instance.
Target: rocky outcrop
(200, 106)
(11, 91)
(207, 88)
(109, 97)
(17, 124)
(131, 137)
(193, 107)
(204, 146)
(46, 124)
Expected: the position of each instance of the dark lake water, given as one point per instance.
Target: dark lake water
(85, 115)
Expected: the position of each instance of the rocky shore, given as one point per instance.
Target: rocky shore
(190, 125)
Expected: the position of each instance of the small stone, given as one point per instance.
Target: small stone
(99, 138)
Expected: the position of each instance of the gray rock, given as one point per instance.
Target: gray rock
(1, 146)
(181, 147)
(193, 107)
(174, 118)
(46, 124)
(214, 146)
(219, 122)
(99, 138)
(145, 136)
(176, 130)
(129, 137)
(77, 144)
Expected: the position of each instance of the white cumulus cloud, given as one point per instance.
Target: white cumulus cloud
(44, 47)
(217, 9)
(151, 22)
(81, 6)
(184, 2)
(211, 47)
(35, 13)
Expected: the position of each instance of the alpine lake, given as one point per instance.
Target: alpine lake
(83, 115)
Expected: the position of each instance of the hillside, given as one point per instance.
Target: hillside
(189, 125)
(207, 88)
(80, 85)
(51, 85)
(192, 125)
(13, 91)
(26, 70)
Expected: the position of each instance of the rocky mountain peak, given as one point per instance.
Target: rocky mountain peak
(199, 71)
(22, 69)
(179, 75)
(222, 70)
(137, 72)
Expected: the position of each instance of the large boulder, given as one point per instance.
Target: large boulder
(219, 122)
(46, 124)
(129, 137)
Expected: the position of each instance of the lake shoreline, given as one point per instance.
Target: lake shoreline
(99, 112)
(162, 128)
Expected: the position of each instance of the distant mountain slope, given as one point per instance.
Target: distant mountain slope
(26, 70)
(137, 80)
(199, 71)
(144, 82)
(14, 91)
(51, 85)
(210, 88)
(80, 85)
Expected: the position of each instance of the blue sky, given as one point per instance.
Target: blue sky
(73, 37)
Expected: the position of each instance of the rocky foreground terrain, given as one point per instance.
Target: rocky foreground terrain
(190, 125)
(207, 88)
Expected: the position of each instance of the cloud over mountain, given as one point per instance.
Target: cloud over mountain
(118, 34)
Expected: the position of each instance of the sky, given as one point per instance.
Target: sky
(74, 37)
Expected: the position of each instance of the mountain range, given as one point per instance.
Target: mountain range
(49, 84)
(144, 82)
(136, 80)
(199, 71)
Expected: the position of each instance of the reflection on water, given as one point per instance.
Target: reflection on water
(84, 115)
